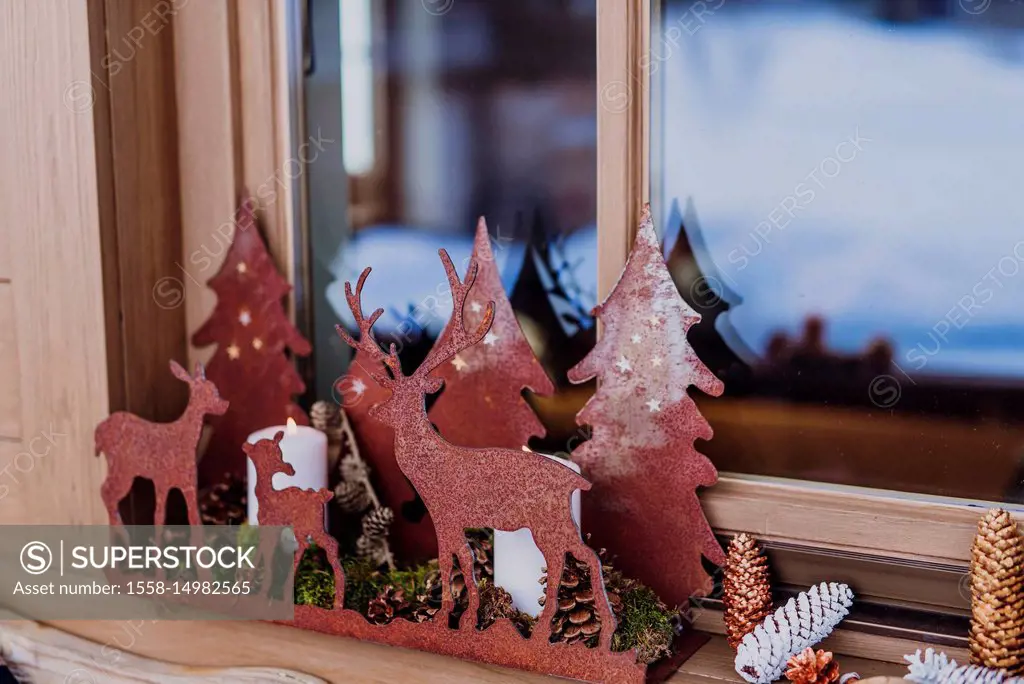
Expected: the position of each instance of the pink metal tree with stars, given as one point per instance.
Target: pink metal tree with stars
(251, 365)
(482, 402)
(642, 460)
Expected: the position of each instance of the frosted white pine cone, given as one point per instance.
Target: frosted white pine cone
(937, 668)
(804, 621)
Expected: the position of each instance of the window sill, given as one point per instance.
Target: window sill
(214, 645)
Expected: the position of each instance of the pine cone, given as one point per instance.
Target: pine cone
(377, 523)
(224, 502)
(576, 618)
(373, 549)
(804, 621)
(326, 417)
(747, 594)
(997, 594)
(352, 497)
(389, 604)
(430, 602)
(354, 468)
(810, 667)
(937, 668)
(424, 612)
(482, 543)
(496, 604)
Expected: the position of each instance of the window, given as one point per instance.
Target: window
(844, 177)
(446, 112)
(835, 185)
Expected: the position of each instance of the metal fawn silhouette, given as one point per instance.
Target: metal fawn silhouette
(301, 509)
(162, 452)
(463, 488)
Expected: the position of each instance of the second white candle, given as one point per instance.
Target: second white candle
(519, 564)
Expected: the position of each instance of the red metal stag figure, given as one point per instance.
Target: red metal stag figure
(465, 488)
(162, 452)
(301, 509)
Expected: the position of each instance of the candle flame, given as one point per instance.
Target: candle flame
(292, 428)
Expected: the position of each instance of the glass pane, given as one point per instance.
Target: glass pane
(844, 179)
(447, 111)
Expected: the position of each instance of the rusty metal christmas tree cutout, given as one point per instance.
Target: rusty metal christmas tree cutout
(482, 404)
(642, 459)
(253, 335)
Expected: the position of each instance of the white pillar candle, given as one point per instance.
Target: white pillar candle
(305, 448)
(519, 564)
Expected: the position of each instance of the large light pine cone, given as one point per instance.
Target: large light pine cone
(746, 590)
(804, 621)
(997, 594)
(937, 668)
(812, 667)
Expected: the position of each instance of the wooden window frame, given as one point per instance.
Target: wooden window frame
(234, 101)
(237, 79)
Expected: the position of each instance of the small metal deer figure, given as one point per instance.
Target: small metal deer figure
(464, 488)
(301, 509)
(162, 452)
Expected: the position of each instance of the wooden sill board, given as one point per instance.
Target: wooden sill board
(234, 644)
(713, 663)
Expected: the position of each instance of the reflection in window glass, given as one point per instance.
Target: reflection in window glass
(357, 92)
(450, 111)
(844, 177)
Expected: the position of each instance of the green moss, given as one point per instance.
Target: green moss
(314, 580)
(362, 583)
(645, 624)
(413, 580)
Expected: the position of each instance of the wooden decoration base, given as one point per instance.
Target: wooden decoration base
(499, 644)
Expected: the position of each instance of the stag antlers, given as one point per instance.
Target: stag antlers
(459, 340)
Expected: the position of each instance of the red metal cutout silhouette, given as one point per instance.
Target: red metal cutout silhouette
(302, 509)
(503, 489)
(642, 459)
(162, 452)
(251, 364)
(482, 404)
(461, 487)
(413, 541)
